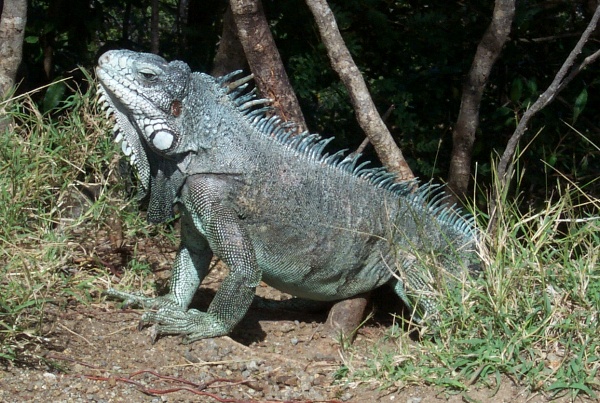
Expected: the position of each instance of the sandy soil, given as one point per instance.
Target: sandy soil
(95, 353)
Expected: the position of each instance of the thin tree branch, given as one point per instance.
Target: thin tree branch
(368, 118)
(587, 61)
(506, 164)
(366, 141)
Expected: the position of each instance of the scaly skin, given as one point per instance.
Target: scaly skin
(270, 205)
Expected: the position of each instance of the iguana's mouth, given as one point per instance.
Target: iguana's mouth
(108, 104)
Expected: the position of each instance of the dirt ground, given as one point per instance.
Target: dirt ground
(97, 354)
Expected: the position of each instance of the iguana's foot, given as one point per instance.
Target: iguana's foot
(192, 324)
(171, 318)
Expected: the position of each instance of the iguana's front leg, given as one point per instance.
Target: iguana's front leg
(209, 220)
(189, 269)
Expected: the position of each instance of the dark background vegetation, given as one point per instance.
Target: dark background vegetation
(414, 56)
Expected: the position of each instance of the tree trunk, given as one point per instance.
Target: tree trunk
(463, 135)
(366, 113)
(230, 53)
(264, 59)
(12, 30)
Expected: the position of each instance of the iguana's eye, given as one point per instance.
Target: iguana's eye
(147, 74)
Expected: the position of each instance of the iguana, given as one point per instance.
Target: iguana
(272, 205)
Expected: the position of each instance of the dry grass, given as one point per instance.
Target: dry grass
(60, 193)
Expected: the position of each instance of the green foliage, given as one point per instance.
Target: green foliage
(579, 105)
(532, 315)
(54, 96)
(39, 166)
(38, 162)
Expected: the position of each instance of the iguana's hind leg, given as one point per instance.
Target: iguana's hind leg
(346, 316)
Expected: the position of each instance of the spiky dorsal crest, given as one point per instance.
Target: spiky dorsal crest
(428, 196)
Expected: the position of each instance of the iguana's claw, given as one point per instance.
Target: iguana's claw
(154, 334)
(129, 299)
(193, 324)
(136, 300)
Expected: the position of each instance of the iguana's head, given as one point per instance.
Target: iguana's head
(145, 94)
